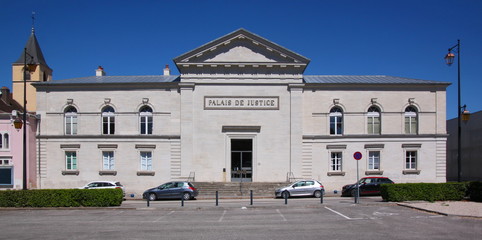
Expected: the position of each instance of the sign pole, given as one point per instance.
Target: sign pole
(357, 156)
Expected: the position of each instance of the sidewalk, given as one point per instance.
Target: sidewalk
(449, 208)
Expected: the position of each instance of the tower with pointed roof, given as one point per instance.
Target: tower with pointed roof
(42, 72)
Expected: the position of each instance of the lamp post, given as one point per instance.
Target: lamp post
(27, 68)
(449, 59)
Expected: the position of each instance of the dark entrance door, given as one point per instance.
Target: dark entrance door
(241, 160)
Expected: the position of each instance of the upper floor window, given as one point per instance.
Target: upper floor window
(71, 160)
(411, 160)
(70, 116)
(145, 120)
(4, 141)
(108, 162)
(411, 120)
(373, 120)
(336, 121)
(108, 120)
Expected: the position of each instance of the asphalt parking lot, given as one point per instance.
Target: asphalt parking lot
(336, 218)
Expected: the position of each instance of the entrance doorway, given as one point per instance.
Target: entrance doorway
(241, 160)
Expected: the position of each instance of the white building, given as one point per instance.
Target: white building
(241, 110)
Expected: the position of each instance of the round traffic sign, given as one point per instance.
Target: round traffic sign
(357, 155)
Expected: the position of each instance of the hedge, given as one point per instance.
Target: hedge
(475, 191)
(423, 191)
(61, 198)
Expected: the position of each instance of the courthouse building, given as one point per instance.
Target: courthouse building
(240, 110)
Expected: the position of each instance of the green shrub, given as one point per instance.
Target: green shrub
(61, 198)
(475, 191)
(423, 191)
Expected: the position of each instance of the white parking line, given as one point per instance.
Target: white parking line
(338, 213)
(159, 219)
(222, 216)
(284, 219)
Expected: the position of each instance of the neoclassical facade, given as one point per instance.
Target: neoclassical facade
(240, 110)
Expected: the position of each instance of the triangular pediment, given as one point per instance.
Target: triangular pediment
(241, 47)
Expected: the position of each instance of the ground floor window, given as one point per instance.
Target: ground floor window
(6, 176)
(146, 161)
(374, 160)
(71, 160)
(108, 160)
(411, 160)
(336, 161)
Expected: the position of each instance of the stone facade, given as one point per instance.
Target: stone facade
(241, 110)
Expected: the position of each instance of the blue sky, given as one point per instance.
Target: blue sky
(406, 38)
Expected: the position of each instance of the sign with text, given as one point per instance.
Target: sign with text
(241, 103)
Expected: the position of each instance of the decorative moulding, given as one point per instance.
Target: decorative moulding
(407, 172)
(146, 173)
(373, 172)
(336, 173)
(108, 172)
(70, 172)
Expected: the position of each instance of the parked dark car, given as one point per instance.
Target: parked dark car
(368, 186)
(301, 188)
(172, 190)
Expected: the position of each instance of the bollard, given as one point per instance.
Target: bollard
(286, 198)
(251, 196)
(321, 197)
(147, 201)
(217, 196)
(182, 201)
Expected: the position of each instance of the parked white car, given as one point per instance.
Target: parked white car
(104, 185)
(301, 188)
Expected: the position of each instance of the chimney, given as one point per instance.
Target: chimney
(167, 71)
(99, 72)
(6, 98)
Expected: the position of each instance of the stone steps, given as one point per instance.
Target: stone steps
(207, 190)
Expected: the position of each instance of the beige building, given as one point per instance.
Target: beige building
(240, 110)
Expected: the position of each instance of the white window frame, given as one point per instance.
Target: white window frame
(336, 118)
(145, 161)
(411, 162)
(336, 161)
(145, 119)
(108, 126)
(70, 121)
(372, 160)
(4, 140)
(73, 161)
(108, 160)
(411, 120)
(373, 115)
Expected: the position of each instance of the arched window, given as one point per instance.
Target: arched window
(70, 116)
(145, 120)
(411, 120)
(373, 120)
(6, 141)
(108, 120)
(336, 121)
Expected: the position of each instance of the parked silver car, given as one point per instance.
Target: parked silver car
(301, 188)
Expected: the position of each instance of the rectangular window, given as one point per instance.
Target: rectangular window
(410, 125)
(336, 160)
(411, 160)
(108, 160)
(146, 161)
(146, 125)
(71, 160)
(336, 125)
(108, 125)
(6, 176)
(374, 160)
(71, 124)
(373, 125)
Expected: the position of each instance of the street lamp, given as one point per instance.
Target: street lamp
(461, 114)
(27, 68)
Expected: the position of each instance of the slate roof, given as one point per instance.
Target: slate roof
(33, 49)
(114, 79)
(365, 79)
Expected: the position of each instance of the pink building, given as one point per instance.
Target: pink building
(11, 145)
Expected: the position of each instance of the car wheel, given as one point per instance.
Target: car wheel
(353, 192)
(317, 194)
(152, 197)
(186, 196)
(285, 194)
